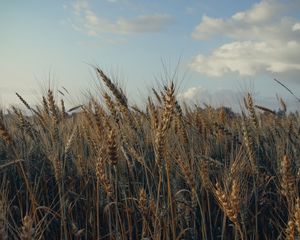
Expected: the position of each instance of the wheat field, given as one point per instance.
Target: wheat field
(109, 170)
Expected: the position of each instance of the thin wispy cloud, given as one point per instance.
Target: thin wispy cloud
(94, 24)
(263, 38)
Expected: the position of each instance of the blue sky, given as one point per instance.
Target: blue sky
(224, 47)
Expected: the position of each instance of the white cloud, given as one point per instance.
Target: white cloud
(296, 27)
(264, 39)
(222, 97)
(93, 24)
(192, 93)
(249, 58)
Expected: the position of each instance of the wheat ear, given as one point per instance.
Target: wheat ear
(27, 229)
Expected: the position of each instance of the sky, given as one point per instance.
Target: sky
(217, 49)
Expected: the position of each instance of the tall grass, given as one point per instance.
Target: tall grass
(114, 171)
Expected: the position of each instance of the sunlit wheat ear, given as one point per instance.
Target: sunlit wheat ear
(235, 196)
(28, 106)
(112, 147)
(152, 206)
(153, 114)
(23, 101)
(127, 116)
(91, 140)
(142, 201)
(102, 178)
(117, 92)
(139, 111)
(111, 107)
(24, 124)
(226, 204)
(27, 228)
(52, 106)
(99, 114)
(159, 144)
(287, 178)
(88, 116)
(63, 109)
(189, 177)
(157, 95)
(250, 107)
(179, 121)
(143, 207)
(169, 101)
(183, 133)
(45, 106)
(70, 142)
(290, 230)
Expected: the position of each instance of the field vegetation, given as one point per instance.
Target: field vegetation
(109, 170)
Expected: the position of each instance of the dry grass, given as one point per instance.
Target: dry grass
(114, 171)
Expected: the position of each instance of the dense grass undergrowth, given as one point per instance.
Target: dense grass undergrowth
(114, 171)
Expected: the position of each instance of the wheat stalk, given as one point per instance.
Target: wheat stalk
(3, 219)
